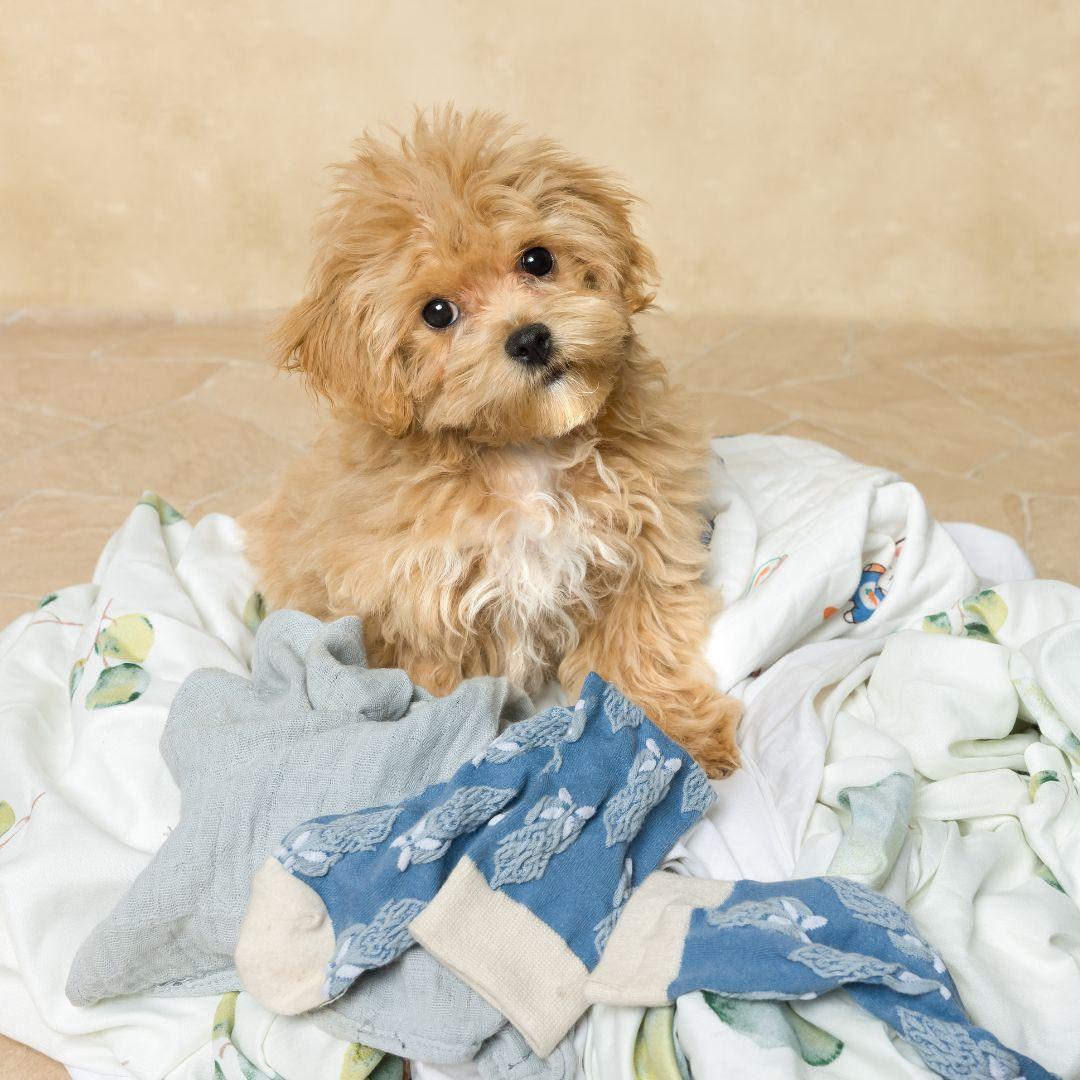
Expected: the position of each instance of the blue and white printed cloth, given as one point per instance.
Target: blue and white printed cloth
(797, 940)
(564, 814)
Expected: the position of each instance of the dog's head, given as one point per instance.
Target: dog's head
(469, 279)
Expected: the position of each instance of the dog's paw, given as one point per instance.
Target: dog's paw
(717, 753)
(704, 722)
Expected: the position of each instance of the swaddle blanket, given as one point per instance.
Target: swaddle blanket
(314, 729)
(86, 683)
(800, 527)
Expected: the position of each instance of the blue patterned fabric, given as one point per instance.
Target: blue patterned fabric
(794, 940)
(566, 812)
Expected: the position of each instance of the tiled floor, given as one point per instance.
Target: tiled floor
(93, 412)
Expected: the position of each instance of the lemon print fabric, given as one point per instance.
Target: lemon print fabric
(10, 824)
(128, 637)
(167, 513)
(774, 1024)
(254, 611)
(117, 686)
(123, 642)
(987, 612)
(365, 1063)
(1043, 776)
(75, 677)
(230, 1063)
(979, 616)
(656, 1053)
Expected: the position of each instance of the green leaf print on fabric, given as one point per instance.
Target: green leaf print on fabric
(773, 1024)
(360, 1062)
(987, 609)
(1043, 874)
(879, 821)
(75, 677)
(118, 685)
(229, 1062)
(254, 611)
(1037, 708)
(655, 1056)
(1071, 745)
(818, 1046)
(167, 514)
(980, 616)
(1043, 776)
(225, 1015)
(390, 1068)
(127, 637)
(45, 601)
(10, 825)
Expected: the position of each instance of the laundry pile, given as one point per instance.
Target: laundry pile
(482, 886)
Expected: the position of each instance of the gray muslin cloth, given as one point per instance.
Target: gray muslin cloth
(314, 731)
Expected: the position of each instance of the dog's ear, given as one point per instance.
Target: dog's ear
(326, 340)
(641, 273)
(616, 256)
(634, 266)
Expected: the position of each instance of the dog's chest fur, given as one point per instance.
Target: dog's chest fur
(526, 564)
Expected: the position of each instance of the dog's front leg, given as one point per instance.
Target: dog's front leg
(649, 643)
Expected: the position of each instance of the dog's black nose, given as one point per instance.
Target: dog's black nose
(530, 344)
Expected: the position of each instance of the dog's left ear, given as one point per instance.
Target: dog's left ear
(642, 275)
(618, 258)
(639, 276)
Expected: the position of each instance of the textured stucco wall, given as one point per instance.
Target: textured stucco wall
(860, 158)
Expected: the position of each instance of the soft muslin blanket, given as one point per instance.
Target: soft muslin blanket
(315, 730)
(821, 562)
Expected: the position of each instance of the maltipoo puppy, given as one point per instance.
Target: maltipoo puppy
(505, 485)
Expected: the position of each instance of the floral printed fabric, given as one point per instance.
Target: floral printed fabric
(796, 940)
(566, 812)
(358, 1062)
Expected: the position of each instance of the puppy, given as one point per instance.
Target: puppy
(505, 486)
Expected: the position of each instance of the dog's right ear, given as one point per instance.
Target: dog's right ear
(324, 339)
(304, 342)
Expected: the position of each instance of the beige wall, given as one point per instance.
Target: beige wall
(894, 160)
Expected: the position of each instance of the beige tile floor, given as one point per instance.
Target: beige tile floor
(92, 411)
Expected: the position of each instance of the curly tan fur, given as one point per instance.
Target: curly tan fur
(482, 516)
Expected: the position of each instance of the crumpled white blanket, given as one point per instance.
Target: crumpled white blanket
(890, 752)
(802, 530)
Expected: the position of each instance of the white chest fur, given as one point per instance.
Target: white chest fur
(513, 571)
(537, 547)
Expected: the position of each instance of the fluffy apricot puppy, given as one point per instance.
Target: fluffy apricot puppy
(506, 485)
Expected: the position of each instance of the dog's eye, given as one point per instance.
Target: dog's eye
(537, 261)
(440, 313)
